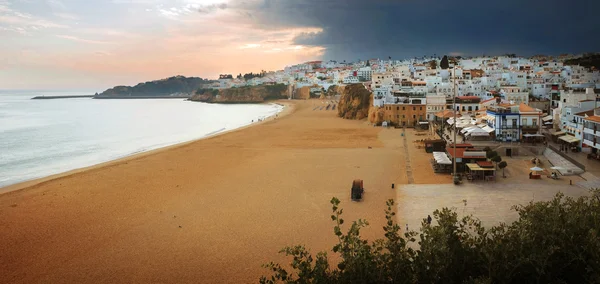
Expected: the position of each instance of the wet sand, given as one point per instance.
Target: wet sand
(210, 211)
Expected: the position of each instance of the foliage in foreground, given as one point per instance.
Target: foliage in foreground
(551, 242)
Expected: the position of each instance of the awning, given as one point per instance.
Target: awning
(423, 122)
(476, 167)
(569, 139)
(558, 133)
(533, 135)
(441, 158)
(488, 129)
(478, 132)
(547, 118)
(468, 129)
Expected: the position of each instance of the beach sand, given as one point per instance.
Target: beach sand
(209, 211)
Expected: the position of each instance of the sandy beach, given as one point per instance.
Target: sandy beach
(209, 211)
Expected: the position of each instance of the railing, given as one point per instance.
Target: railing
(589, 131)
(529, 127)
(588, 142)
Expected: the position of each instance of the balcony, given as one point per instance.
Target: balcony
(589, 131)
(530, 127)
(588, 142)
(597, 133)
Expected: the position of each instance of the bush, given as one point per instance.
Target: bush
(551, 242)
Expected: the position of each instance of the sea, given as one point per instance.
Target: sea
(39, 138)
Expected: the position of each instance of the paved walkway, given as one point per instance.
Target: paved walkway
(558, 161)
(490, 202)
(409, 173)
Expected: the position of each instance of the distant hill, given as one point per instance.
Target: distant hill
(588, 60)
(177, 85)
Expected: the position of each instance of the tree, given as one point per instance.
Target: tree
(444, 63)
(551, 242)
(433, 64)
(502, 165)
(496, 159)
(491, 154)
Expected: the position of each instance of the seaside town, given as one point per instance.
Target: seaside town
(477, 135)
(503, 99)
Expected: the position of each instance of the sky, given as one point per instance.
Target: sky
(97, 44)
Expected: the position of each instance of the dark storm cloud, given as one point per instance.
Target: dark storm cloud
(405, 28)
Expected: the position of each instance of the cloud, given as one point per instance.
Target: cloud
(250, 45)
(77, 39)
(67, 16)
(23, 23)
(207, 9)
(405, 28)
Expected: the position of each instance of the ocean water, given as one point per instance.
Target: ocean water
(44, 137)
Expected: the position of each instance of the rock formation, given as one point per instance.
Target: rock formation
(376, 115)
(249, 94)
(355, 102)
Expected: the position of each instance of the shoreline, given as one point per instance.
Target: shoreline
(214, 209)
(288, 108)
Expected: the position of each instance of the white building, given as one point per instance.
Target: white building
(515, 95)
(435, 104)
(366, 73)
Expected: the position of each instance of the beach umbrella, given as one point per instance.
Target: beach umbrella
(536, 169)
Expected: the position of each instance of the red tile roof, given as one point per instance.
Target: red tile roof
(485, 164)
(525, 108)
(460, 153)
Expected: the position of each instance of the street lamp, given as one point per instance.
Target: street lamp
(454, 176)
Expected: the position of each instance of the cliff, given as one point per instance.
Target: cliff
(302, 93)
(376, 115)
(250, 94)
(178, 85)
(355, 102)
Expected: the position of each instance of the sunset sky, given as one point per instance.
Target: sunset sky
(96, 44)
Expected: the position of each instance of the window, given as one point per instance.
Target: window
(414, 108)
(414, 116)
(403, 116)
(534, 122)
(403, 108)
(397, 108)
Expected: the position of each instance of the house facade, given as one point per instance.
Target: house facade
(408, 115)
(505, 119)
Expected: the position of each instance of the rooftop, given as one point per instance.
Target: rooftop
(460, 153)
(584, 113)
(593, 118)
(525, 108)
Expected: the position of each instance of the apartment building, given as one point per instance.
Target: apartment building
(408, 115)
